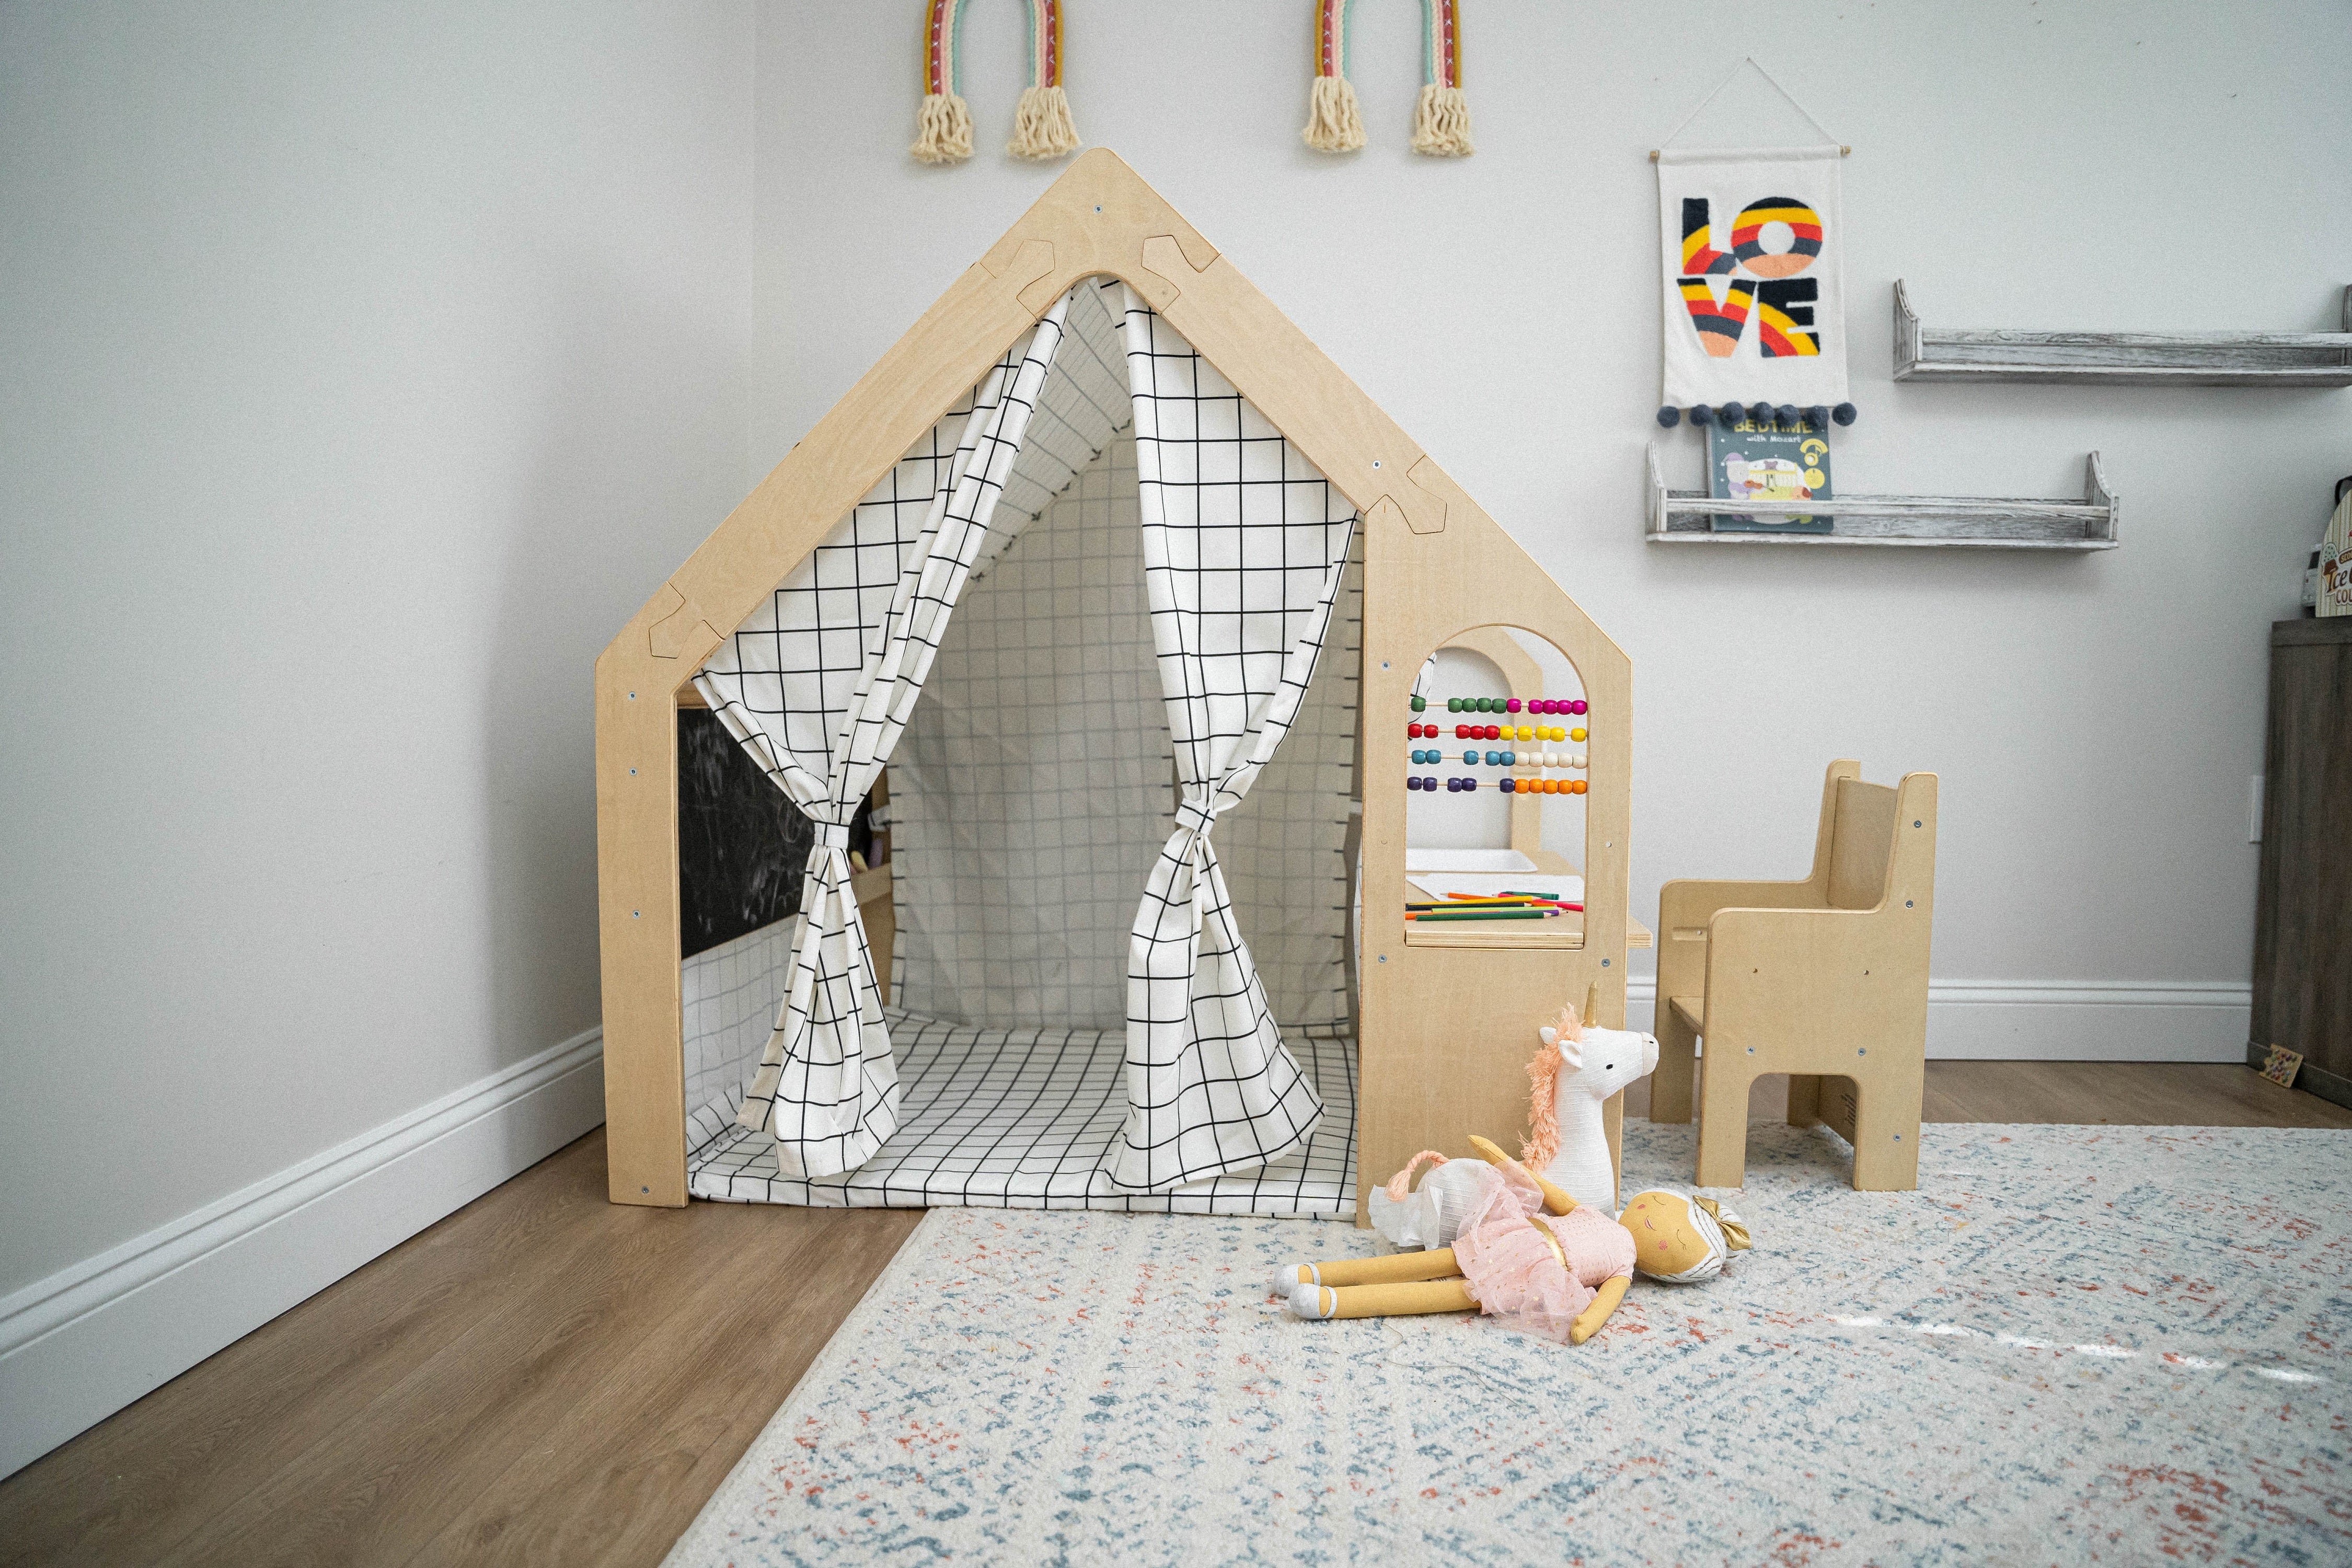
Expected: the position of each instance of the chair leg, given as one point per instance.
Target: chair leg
(1804, 1098)
(1887, 1127)
(1723, 1122)
(1670, 1082)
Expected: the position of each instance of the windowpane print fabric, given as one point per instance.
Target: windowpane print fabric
(1243, 547)
(818, 685)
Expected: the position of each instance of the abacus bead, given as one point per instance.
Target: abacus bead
(1430, 785)
(1494, 733)
(1510, 759)
(1506, 786)
(1419, 703)
(1461, 731)
(1510, 704)
(1547, 706)
(1527, 733)
(1551, 786)
(1410, 781)
(1487, 705)
(1576, 733)
(1577, 706)
(1579, 787)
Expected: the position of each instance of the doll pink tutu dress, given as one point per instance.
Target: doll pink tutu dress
(1536, 1271)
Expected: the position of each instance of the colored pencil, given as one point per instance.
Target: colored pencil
(1488, 915)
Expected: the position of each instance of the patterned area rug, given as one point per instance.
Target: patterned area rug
(2072, 1345)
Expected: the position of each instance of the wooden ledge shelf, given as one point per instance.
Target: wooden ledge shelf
(2121, 359)
(1981, 523)
(1566, 932)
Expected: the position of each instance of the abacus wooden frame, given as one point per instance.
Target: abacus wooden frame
(1444, 1033)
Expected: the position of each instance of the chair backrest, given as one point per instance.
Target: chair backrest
(1861, 842)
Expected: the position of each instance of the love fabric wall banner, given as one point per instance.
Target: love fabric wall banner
(1752, 244)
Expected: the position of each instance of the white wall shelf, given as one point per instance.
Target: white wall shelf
(1982, 523)
(2121, 359)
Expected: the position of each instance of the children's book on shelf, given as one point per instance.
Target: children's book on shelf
(1770, 464)
(2335, 594)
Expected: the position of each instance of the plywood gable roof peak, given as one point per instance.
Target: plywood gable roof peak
(1098, 217)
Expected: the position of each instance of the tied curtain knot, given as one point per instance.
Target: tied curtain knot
(1196, 817)
(832, 835)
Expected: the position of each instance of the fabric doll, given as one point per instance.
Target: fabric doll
(1524, 1252)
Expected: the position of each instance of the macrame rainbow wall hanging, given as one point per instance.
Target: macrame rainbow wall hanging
(1040, 126)
(1440, 123)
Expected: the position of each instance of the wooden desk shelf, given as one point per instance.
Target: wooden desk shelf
(1566, 932)
(2121, 359)
(1981, 523)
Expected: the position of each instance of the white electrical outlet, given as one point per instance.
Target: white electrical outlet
(2254, 809)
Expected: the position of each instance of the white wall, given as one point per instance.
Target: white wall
(2153, 166)
(365, 368)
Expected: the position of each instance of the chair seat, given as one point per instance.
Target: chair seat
(1691, 1010)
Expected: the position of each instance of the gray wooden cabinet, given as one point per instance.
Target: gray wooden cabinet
(2302, 910)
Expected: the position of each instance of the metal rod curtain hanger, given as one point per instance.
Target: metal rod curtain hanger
(1746, 60)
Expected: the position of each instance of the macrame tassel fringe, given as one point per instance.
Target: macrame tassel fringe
(1333, 124)
(1440, 123)
(943, 129)
(1041, 127)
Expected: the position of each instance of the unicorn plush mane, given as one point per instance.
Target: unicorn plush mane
(1542, 1144)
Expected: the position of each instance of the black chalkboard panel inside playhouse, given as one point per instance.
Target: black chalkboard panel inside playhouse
(742, 845)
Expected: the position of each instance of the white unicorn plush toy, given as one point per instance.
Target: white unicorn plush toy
(1581, 1065)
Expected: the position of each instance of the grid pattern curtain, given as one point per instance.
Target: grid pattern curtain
(1245, 548)
(818, 685)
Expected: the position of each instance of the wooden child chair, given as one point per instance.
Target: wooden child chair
(1825, 980)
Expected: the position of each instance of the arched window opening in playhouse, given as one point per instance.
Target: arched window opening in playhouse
(1496, 758)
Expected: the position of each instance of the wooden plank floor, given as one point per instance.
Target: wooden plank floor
(542, 1377)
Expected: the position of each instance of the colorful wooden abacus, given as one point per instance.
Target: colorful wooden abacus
(1504, 705)
(1508, 787)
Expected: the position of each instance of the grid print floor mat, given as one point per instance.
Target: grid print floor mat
(1028, 1119)
(2072, 1345)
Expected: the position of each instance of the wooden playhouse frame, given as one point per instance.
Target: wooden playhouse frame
(1445, 1018)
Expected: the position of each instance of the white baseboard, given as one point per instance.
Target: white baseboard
(88, 1339)
(2063, 1020)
